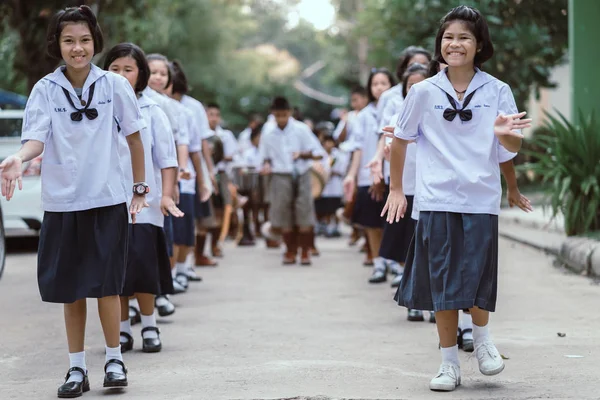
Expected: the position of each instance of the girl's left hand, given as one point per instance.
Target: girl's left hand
(515, 198)
(387, 152)
(168, 206)
(505, 125)
(138, 203)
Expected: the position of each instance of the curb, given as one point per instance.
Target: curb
(578, 254)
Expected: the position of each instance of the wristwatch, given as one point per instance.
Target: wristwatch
(141, 188)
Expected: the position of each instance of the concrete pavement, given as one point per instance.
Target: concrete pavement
(257, 330)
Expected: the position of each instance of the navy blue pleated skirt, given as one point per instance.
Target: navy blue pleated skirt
(184, 227)
(398, 236)
(367, 212)
(168, 228)
(83, 254)
(148, 265)
(452, 264)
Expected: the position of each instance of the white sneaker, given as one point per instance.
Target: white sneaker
(447, 379)
(490, 360)
(183, 280)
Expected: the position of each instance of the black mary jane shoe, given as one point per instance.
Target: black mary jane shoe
(151, 345)
(467, 344)
(70, 390)
(115, 379)
(135, 317)
(128, 344)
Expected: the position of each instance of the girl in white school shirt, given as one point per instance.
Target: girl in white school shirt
(70, 116)
(148, 267)
(369, 198)
(465, 123)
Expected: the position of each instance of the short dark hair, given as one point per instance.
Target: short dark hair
(280, 104)
(135, 52)
(256, 131)
(82, 14)
(328, 138)
(478, 26)
(359, 90)
(180, 82)
(213, 105)
(160, 57)
(415, 69)
(405, 58)
(374, 72)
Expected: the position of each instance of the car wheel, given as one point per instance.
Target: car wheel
(2, 245)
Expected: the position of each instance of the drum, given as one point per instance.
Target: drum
(318, 179)
(246, 179)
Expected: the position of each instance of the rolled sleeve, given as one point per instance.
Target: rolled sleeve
(407, 127)
(163, 152)
(37, 120)
(126, 107)
(503, 154)
(204, 128)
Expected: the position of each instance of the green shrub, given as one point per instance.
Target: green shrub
(569, 165)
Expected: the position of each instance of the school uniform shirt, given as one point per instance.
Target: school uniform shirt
(387, 109)
(458, 161)
(230, 149)
(252, 158)
(388, 105)
(199, 116)
(188, 186)
(81, 167)
(244, 142)
(166, 105)
(159, 153)
(339, 162)
(365, 137)
(409, 177)
(200, 123)
(279, 145)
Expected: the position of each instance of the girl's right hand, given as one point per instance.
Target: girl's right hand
(349, 186)
(395, 206)
(12, 174)
(204, 194)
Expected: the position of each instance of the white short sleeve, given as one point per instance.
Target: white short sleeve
(506, 106)
(126, 107)
(411, 112)
(163, 152)
(37, 122)
(195, 138)
(205, 131)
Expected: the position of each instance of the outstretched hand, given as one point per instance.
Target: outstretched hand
(507, 125)
(12, 174)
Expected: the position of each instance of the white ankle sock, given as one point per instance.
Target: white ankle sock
(147, 321)
(466, 322)
(113, 353)
(161, 301)
(126, 327)
(134, 303)
(77, 360)
(174, 272)
(181, 268)
(379, 264)
(450, 354)
(395, 266)
(480, 334)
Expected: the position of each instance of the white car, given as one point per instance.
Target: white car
(23, 213)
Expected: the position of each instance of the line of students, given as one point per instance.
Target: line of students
(128, 137)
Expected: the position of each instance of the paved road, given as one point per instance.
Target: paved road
(257, 330)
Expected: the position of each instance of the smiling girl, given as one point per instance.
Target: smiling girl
(465, 123)
(70, 116)
(364, 143)
(148, 267)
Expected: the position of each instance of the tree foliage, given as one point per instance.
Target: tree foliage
(529, 39)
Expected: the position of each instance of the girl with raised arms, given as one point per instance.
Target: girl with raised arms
(465, 123)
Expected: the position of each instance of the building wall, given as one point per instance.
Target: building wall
(551, 100)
